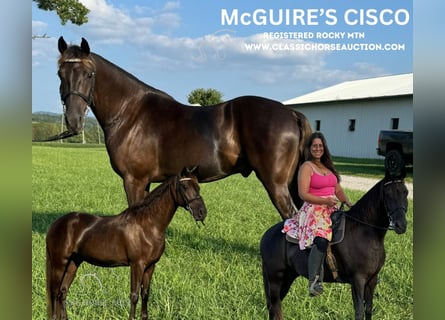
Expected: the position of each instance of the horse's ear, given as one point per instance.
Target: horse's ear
(395, 173)
(184, 172)
(187, 172)
(62, 45)
(402, 173)
(85, 46)
(194, 170)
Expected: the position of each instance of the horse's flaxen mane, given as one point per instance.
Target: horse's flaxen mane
(75, 52)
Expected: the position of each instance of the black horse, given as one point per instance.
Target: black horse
(359, 257)
(150, 136)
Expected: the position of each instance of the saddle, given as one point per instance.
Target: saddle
(338, 226)
(338, 232)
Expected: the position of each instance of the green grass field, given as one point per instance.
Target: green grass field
(210, 272)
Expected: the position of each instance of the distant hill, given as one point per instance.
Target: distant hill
(52, 117)
(49, 117)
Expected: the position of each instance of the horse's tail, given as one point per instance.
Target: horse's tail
(49, 286)
(49, 298)
(305, 131)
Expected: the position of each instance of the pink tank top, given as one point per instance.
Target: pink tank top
(321, 185)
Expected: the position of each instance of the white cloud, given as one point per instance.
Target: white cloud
(38, 27)
(42, 50)
(150, 30)
(368, 69)
(152, 34)
(171, 5)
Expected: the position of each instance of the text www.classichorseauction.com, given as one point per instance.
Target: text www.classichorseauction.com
(255, 46)
(303, 41)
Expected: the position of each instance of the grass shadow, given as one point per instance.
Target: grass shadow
(209, 243)
(42, 220)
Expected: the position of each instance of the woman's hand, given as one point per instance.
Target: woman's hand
(331, 202)
(348, 203)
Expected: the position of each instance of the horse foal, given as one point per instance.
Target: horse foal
(135, 238)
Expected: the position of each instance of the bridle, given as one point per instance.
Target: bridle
(388, 212)
(186, 201)
(87, 98)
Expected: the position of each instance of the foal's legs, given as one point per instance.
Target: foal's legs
(54, 279)
(67, 279)
(145, 290)
(137, 271)
(60, 279)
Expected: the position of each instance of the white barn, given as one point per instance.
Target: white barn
(352, 113)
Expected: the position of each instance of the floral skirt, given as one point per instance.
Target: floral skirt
(311, 221)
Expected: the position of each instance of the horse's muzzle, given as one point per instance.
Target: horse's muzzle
(399, 224)
(399, 229)
(75, 126)
(199, 214)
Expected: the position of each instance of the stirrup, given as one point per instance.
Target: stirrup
(315, 288)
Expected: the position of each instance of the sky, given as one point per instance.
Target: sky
(275, 49)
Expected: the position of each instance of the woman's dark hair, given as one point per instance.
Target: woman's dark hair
(325, 158)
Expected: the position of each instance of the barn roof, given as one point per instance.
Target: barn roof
(395, 85)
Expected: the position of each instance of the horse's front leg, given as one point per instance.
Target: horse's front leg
(274, 294)
(137, 271)
(358, 288)
(281, 198)
(145, 290)
(135, 189)
(369, 295)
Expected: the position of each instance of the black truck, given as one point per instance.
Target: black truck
(396, 146)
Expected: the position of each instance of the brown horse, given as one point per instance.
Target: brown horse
(360, 255)
(134, 238)
(150, 136)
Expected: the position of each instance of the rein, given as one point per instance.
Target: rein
(60, 136)
(365, 223)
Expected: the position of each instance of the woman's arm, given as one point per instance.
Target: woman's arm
(340, 194)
